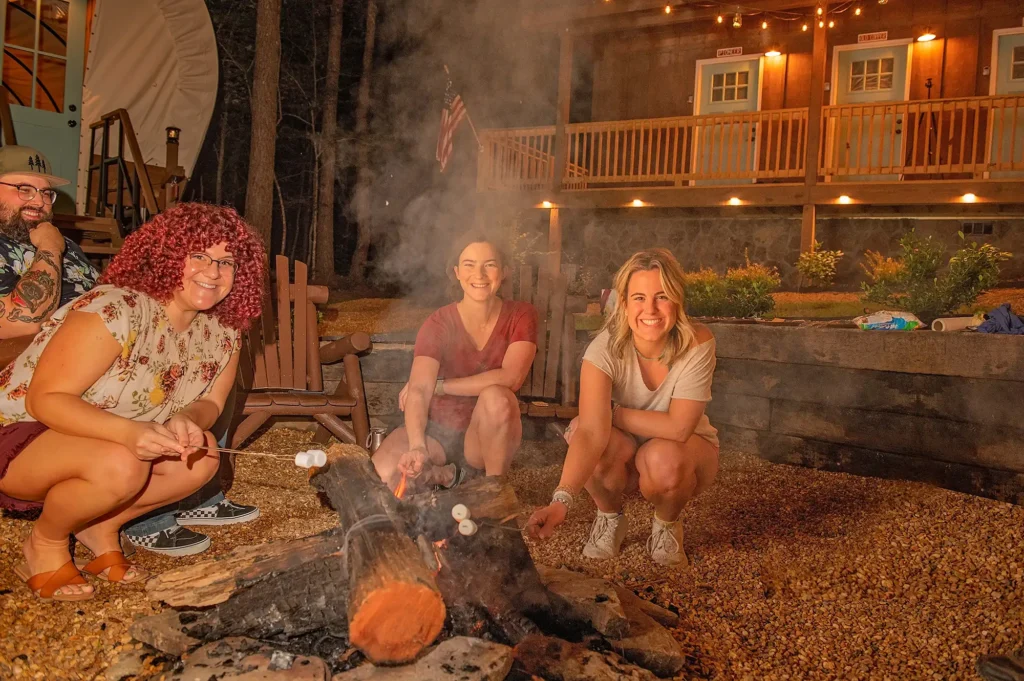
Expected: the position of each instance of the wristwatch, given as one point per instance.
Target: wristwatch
(439, 387)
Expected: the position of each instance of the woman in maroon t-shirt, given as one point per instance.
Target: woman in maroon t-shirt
(470, 358)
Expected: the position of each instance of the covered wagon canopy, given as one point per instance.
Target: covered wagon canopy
(158, 60)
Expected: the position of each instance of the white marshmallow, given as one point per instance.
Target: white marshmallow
(303, 460)
(467, 527)
(319, 457)
(460, 512)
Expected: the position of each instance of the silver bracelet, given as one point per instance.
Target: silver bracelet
(562, 496)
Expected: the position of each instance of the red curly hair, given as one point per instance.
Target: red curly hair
(152, 259)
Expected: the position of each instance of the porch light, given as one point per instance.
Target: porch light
(927, 36)
(844, 199)
(969, 198)
(545, 204)
(173, 134)
(637, 203)
(772, 53)
(737, 20)
(734, 201)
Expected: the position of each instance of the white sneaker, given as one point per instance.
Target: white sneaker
(606, 536)
(666, 543)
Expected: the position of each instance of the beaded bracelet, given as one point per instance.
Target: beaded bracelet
(564, 495)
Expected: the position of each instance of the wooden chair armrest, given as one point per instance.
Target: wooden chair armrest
(352, 344)
(11, 348)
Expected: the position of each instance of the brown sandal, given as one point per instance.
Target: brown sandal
(45, 584)
(117, 567)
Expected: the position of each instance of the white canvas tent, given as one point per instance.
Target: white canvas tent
(158, 60)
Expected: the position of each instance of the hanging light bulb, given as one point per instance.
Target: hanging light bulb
(668, 9)
(737, 20)
(721, 19)
(764, 25)
(831, 23)
(820, 11)
(821, 23)
(857, 11)
(804, 27)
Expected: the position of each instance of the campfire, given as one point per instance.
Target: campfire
(422, 579)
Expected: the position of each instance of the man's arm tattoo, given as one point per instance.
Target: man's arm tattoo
(37, 293)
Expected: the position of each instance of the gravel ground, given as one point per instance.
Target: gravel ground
(796, 574)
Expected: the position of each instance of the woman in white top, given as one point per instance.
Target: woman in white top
(643, 387)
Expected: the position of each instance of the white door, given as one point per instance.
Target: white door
(726, 144)
(43, 65)
(868, 140)
(1006, 118)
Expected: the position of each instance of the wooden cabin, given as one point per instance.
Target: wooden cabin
(904, 110)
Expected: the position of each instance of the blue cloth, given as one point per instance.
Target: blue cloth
(1002, 320)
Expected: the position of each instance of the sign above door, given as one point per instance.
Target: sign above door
(872, 37)
(729, 52)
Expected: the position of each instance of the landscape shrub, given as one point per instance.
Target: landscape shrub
(819, 267)
(914, 282)
(743, 292)
(705, 293)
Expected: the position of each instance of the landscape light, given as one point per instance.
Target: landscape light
(845, 199)
(969, 198)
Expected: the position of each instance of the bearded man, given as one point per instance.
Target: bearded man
(40, 270)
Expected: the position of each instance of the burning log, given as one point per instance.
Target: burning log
(394, 606)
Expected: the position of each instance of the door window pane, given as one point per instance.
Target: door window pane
(716, 94)
(730, 78)
(718, 80)
(1017, 63)
(741, 78)
(35, 53)
(871, 75)
(730, 87)
(730, 94)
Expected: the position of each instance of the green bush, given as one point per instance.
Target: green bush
(743, 292)
(819, 267)
(913, 281)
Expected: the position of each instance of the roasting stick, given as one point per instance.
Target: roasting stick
(242, 451)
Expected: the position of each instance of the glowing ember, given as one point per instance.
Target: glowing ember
(400, 490)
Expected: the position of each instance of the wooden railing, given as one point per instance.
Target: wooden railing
(972, 136)
(115, 186)
(761, 145)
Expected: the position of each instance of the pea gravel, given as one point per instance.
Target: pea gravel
(796, 574)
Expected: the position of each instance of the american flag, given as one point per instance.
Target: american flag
(451, 116)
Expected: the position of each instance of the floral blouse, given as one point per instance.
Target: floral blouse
(159, 372)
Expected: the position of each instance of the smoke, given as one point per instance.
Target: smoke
(507, 76)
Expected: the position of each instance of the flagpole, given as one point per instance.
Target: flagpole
(469, 119)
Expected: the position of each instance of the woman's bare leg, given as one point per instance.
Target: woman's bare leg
(385, 460)
(78, 480)
(495, 431)
(615, 474)
(672, 473)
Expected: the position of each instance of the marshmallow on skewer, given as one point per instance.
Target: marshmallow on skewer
(467, 527)
(460, 512)
(314, 458)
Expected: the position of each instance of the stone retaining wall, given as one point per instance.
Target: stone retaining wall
(945, 409)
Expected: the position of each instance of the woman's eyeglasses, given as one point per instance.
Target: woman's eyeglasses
(201, 261)
(27, 192)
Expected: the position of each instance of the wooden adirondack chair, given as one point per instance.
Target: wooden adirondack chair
(280, 366)
(550, 389)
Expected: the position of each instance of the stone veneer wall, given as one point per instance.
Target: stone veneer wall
(940, 408)
(601, 240)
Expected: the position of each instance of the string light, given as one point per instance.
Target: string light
(764, 25)
(821, 23)
(804, 27)
(668, 9)
(823, 17)
(721, 19)
(831, 23)
(737, 20)
(857, 11)
(820, 11)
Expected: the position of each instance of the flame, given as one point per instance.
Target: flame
(438, 547)
(400, 490)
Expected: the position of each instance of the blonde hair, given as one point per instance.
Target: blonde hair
(682, 336)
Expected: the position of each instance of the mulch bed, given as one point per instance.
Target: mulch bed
(795, 573)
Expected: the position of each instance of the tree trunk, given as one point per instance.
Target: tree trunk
(259, 194)
(222, 144)
(361, 199)
(323, 265)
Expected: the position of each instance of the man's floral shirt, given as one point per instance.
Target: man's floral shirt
(78, 277)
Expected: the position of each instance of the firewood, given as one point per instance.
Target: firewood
(592, 599)
(213, 581)
(489, 498)
(394, 606)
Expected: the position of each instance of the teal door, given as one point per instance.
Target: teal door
(869, 139)
(43, 66)
(1006, 120)
(727, 145)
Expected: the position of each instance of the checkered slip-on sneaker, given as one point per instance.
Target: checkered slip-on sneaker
(224, 512)
(177, 541)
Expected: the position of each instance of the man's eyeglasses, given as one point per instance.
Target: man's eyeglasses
(201, 261)
(27, 192)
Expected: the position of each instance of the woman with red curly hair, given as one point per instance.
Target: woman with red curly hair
(102, 416)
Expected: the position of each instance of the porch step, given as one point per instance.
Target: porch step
(99, 248)
(86, 223)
